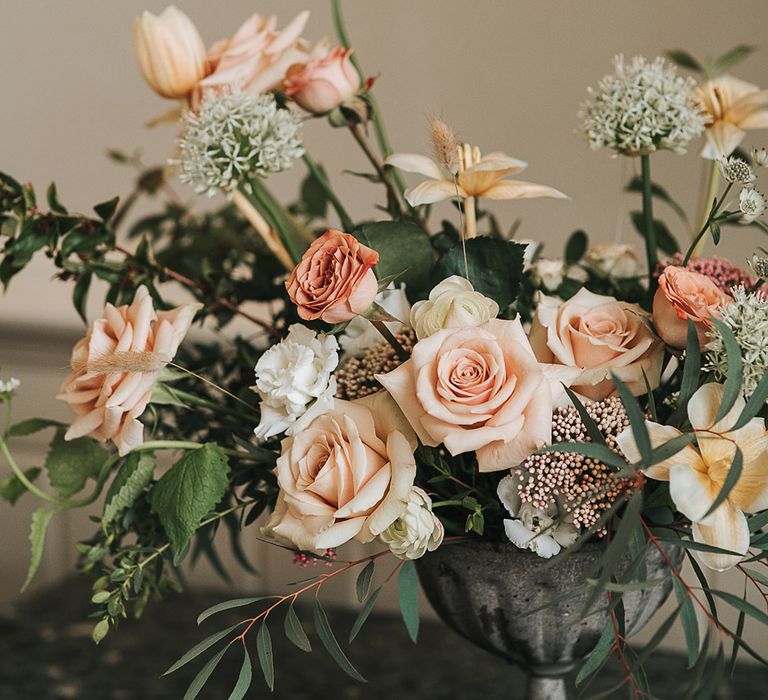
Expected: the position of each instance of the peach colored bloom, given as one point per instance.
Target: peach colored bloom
(322, 84)
(477, 388)
(334, 280)
(598, 335)
(684, 295)
(116, 365)
(170, 51)
(348, 475)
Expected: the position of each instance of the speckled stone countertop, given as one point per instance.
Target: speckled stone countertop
(46, 654)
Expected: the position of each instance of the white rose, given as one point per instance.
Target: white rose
(295, 382)
(360, 334)
(453, 303)
(415, 532)
(612, 260)
(548, 274)
(540, 531)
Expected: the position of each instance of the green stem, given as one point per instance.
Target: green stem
(712, 183)
(22, 477)
(393, 198)
(317, 172)
(651, 248)
(712, 217)
(277, 218)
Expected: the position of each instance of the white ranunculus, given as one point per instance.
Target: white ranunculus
(360, 334)
(543, 532)
(612, 260)
(415, 532)
(453, 303)
(548, 274)
(295, 382)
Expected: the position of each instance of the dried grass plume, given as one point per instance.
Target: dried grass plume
(445, 144)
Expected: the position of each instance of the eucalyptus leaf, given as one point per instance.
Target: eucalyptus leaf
(363, 584)
(328, 640)
(202, 677)
(600, 654)
(244, 678)
(229, 605)
(266, 656)
(408, 587)
(364, 613)
(294, 630)
(200, 647)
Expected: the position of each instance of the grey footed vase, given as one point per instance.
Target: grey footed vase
(483, 589)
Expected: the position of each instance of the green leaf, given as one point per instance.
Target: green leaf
(11, 489)
(244, 678)
(575, 247)
(602, 453)
(362, 616)
(690, 623)
(188, 491)
(664, 238)
(131, 480)
(332, 646)
(754, 404)
(294, 631)
(100, 630)
(743, 605)
(402, 248)
(363, 584)
(636, 418)
(266, 657)
(80, 294)
(41, 518)
(202, 677)
(54, 203)
(656, 639)
(592, 430)
(495, 267)
(729, 59)
(757, 522)
(408, 586)
(599, 655)
(732, 386)
(71, 463)
(228, 605)
(636, 185)
(684, 60)
(30, 426)
(106, 210)
(200, 647)
(731, 479)
(691, 370)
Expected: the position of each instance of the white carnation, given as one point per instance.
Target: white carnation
(360, 334)
(617, 260)
(415, 532)
(295, 382)
(453, 303)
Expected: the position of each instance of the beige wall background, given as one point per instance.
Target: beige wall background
(507, 75)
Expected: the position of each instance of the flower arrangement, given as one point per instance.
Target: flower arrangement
(405, 385)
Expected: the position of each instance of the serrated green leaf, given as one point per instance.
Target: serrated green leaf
(329, 641)
(71, 463)
(229, 605)
(11, 489)
(30, 426)
(294, 631)
(364, 613)
(131, 480)
(264, 651)
(200, 647)
(188, 491)
(600, 654)
(244, 678)
(202, 677)
(689, 621)
(363, 584)
(408, 587)
(41, 518)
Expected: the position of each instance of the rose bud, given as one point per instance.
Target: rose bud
(171, 52)
(334, 280)
(323, 84)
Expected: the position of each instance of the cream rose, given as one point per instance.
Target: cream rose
(598, 335)
(684, 295)
(476, 389)
(612, 260)
(548, 274)
(453, 303)
(116, 365)
(348, 475)
(322, 84)
(417, 531)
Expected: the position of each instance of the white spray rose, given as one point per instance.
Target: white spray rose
(360, 334)
(548, 274)
(612, 260)
(415, 532)
(295, 382)
(453, 303)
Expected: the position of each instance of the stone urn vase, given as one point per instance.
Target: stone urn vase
(484, 590)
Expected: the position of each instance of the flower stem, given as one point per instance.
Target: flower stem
(695, 244)
(381, 327)
(711, 185)
(651, 248)
(267, 233)
(317, 172)
(470, 217)
(393, 201)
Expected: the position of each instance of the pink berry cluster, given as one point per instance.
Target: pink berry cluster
(305, 559)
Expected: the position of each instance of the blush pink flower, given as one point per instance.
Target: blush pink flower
(322, 84)
(116, 365)
(684, 295)
(598, 335)
(348, 475)
(476, 389)
(334, 280)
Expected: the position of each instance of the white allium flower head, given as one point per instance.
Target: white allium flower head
(642, 107)
(751, 205)
(8, 388)
(747, 317)
(734, 169)
(415, 532)
(233, 137)
(295, 382)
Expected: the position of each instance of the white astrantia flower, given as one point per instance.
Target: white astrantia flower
(415, 532)
(233, 137)
(642, 107)
(759, 265)
(295, 382)
(760, 156)
(548, 274)
(734, 169)
(8, 388)
(751, 205)
(453, 303)
(360, 334)
(543, 532)
(617, 260)
(747, 317)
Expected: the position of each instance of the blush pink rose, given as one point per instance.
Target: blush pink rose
(116, 365)
(348, 475)
(598, 335)
(334, 280)
(684, 295)
(476, 389)
(322, 84)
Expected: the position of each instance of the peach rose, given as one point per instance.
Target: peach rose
(684, 295)
(598, 335)
(334, 280)
(479, 389)
(322, 84)
(348, 475)
(116, 365)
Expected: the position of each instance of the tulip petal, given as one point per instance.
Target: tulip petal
(517, 189)
(431, 191)
(415, 163)
(728, 529)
